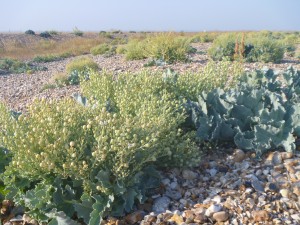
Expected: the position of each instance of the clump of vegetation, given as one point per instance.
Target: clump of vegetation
(81, 64)
(265, 50)
(256, 48)
(77, 32)
(45, 34)
(135, 50)
(204, 37)
(53, 32)
(30, 32)
(103, 49)
(106, 34)
(121, 49)
(51, 58)
(16, 66)
(102, 151)
(60, 79)
(260, 113)
(165, 46)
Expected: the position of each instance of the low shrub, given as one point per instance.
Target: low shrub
(30, 32)
(16, 66)
(77, 32)
(60, 79)
(256, 48)
(45, 34)
(96, 158)
(121, 49)
(204, 37)
(223, 47)
(103, 49)
(81, 64)
(51, 58)
(265, 50)
(165, 46)
(53, 32)
(135, 50)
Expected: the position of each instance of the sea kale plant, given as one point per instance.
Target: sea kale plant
(259, 114)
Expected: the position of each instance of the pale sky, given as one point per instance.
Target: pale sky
(151, 15)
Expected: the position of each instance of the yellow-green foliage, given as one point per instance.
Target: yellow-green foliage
(223, 47)
(81, 64)
(121, 49)
(253, 47)
(132, 122)
(204, 37)
(223, 74)
(165, 46)
(135, 50)
(100, 49)
(168, 47)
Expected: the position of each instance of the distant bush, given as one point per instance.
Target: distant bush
(135, 50)
(119, 41)
(106, 34)
(77, 32)
(30, 32)
(204, 37)
(53, 32)
(165, 46)
(121, 49)
(51, 58)
(60, 79)
(102, 49)
(265, 50)
(116, 31)
(16, 66)
(81, 64)
(45, 34)
(256, 48)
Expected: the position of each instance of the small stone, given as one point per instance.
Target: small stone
(173, 185)
(286, 155)
(284, 193)
(296, 217)
(221, 216)
(176, 218)
(150, 219)
(173, 194)
(260, 215)
(276, 221)
(223, 169)
(257, 185)
(238, 155)
(134, 217)
(213, 209)
(271, 187)
(189, 175)
(200, 218)
(213, 172)
(161, 204)
(217, 199)
(18, 218)
(189, 214)
(266, 172)
(274, 158)
(166, 181)
(183, 201)
(296, 190)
